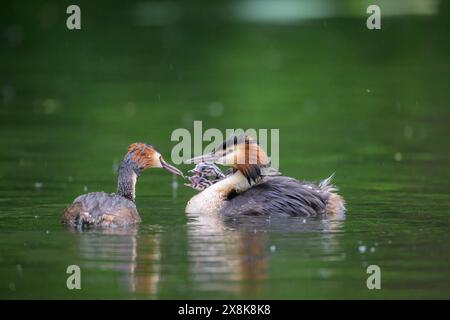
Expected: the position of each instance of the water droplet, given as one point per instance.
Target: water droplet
(174, 186)
(408, 132)
(38, 185)
(50, 106)
(362, 249)
(325, 273)
(273, 248)
(19, 269)
(398, 156)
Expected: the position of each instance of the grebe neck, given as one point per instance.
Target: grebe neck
(126, 181)
(236, 183)
(212, 198)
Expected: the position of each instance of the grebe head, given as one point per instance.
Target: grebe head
(143, 156)
(240, 152)
(140, 156)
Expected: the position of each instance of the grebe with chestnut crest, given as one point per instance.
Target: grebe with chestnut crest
(254, 188)
(100, 209)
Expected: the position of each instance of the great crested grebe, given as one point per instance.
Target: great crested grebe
(257, 189)
(117, 209)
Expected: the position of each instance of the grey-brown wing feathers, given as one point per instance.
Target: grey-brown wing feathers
(101, 209)
(279, 195)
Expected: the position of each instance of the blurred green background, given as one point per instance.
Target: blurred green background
(371, 106)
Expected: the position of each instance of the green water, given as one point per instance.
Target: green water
(370, 106)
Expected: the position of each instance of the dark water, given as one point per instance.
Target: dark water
(370, 106)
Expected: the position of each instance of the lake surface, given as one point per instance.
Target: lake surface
(373, 107)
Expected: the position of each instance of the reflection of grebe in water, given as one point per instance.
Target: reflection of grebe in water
(238, 255)
(256, 189)
(226, 259)
(131, 259)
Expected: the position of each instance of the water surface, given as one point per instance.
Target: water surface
(371, 107)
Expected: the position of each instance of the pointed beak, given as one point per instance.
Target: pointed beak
(203, 158)
(170, 168)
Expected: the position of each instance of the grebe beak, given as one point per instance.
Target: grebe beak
(170, 168)
(203, 158)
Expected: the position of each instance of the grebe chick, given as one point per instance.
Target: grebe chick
(257, 189)
(117, 209)
(204, 175)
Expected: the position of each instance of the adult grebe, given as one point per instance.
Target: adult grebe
(117, 209)
(257, 189)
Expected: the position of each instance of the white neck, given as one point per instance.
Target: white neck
(211, 199)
